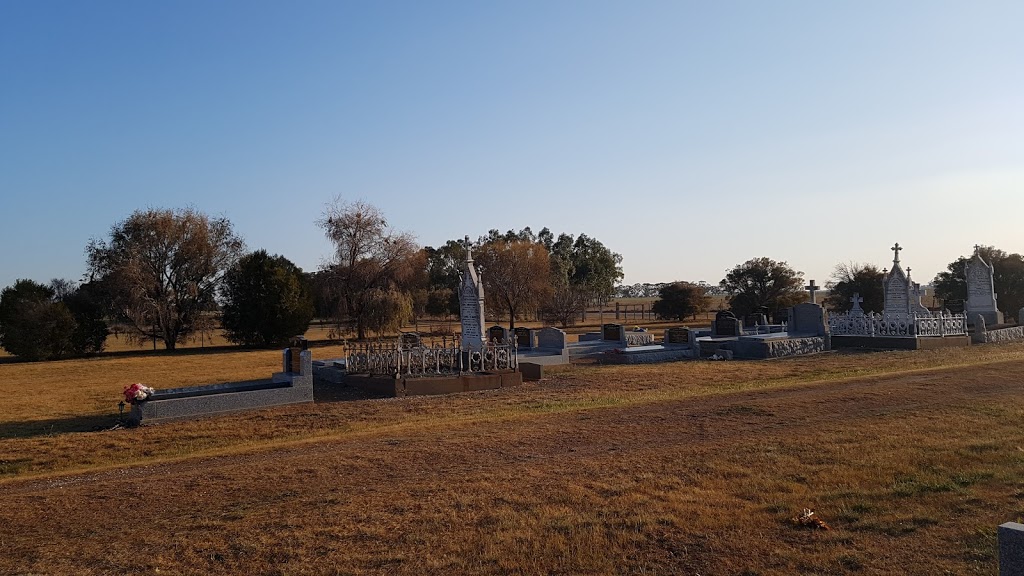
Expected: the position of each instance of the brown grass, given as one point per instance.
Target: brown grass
(912, 458)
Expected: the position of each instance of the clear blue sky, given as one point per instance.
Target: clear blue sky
(687, 136)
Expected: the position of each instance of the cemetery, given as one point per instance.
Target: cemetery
(510, 416)
(480, 358)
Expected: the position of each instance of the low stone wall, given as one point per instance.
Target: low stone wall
(223, 402)
(282, 389)
(1004, 335)
(668, 355)
(898, 343)
(775, 347)
(435, 385)
(936, 342)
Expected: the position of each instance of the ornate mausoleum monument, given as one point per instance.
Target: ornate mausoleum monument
(904, 322)
(902, 295)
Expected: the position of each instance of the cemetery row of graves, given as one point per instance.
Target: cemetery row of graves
(483, 358)
(379, 281)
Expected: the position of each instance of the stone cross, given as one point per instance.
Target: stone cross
(857, 300)
(897, 249)
(812, 287)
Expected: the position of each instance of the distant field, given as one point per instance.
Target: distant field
(681, 468)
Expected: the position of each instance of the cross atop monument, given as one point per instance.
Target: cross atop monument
(896, 249)
(812, 287)
(469, 249)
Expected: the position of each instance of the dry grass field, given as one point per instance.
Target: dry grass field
(913, 459)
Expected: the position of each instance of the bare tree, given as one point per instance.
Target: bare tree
(162, 268)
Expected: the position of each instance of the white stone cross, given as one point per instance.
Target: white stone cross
(896, 249)
(812, 287)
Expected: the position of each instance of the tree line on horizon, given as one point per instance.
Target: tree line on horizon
(167, 274)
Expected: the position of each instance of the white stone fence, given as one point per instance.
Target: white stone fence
(910, 326)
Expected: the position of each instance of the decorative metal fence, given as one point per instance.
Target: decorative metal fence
(872, 324)
(414, 359)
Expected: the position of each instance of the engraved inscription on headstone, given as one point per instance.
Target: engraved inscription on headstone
(524, 337)
(896, 297)
(610, 331)
(726, 324)
(497, 334)
(677, 336)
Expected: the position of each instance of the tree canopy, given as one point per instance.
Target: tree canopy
(162, 269)
(266, 300)
(374, 268)
(850, 278)
(32, 326)
(679, 300)
(763, 283)
(516, 275)
(444, 265)
(1007, 279)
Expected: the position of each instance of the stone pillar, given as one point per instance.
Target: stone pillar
(471, 305)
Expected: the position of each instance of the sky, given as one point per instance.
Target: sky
(688, 137)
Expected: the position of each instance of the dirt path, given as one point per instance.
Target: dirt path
(592, 491)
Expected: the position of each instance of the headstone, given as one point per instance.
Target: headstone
(752, 320)
(726, 324)
(677, 336)
(497, 334)
(807, 318)
(857, 300)
(1011, 549)
(531, 372)
(524, 337)
(293, 354)
(611, 332)
(411, 339)
(981, 296)
(471, 304)
(551, 338)
(978, 321)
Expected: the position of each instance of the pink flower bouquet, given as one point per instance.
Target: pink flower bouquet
(137, 393)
